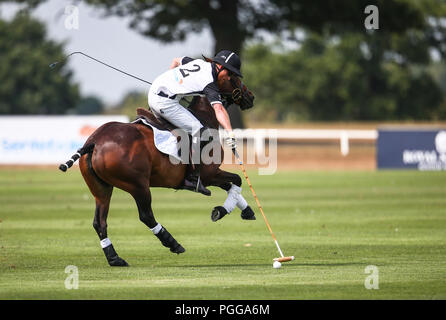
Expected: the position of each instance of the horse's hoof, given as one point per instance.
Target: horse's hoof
(248, 214)
(218, 213)
(179, 249)
(118, 262)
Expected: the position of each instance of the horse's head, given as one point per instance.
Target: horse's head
(233, 90)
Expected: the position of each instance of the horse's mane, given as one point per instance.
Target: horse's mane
(203, 111)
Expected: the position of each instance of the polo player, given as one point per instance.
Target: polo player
(192, 77)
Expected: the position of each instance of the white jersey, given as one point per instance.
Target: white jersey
(193, 77)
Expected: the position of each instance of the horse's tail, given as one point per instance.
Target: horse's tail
(84, 150)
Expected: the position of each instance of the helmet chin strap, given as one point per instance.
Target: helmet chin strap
(236, 93)
(219, 69)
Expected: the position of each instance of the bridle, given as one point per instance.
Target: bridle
(237, 92)
(237, 95)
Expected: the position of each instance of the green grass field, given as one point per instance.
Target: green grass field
(335, 223)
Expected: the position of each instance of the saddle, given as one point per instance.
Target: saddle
(192, 170)
(161, 124)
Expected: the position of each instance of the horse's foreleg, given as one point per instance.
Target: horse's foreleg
(231, 183)
(247, 213)
(143, 201)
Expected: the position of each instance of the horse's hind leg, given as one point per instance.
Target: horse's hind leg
(102, 193)
(100, 225)
(143, 200)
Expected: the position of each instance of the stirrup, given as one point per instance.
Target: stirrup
(200, 188)
(195, 186)
(198, 183)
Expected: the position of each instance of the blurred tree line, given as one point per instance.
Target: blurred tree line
(346, 78)
(27, 84)
(339, 70)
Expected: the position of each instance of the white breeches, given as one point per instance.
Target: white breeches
(174, 112)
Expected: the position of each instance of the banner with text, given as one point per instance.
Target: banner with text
(46, 139)
(411, 149)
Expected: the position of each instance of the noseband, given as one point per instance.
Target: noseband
(236, 94)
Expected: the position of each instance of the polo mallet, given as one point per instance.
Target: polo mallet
(282, 257)
(53, 65)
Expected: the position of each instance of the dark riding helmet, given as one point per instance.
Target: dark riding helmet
(229, 60)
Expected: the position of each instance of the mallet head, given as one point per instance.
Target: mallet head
(284, 259)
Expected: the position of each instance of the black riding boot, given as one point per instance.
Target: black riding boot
(193, 181)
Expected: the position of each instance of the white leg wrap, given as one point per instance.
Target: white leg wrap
(236, 189)
(105, 243)
(230, 203)
(156, 229)
(241, 202)
(232, 199)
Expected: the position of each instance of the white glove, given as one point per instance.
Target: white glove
(230, 140)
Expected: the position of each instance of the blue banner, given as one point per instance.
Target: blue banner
(411, 149)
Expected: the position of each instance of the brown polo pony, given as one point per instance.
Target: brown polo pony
(124, 155)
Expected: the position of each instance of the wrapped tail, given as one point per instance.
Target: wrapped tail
(84, 150)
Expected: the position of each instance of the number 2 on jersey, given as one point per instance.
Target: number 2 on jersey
(185, 72)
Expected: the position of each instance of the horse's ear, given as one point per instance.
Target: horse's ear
(206, 59)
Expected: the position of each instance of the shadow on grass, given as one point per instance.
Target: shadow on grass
(288, 265)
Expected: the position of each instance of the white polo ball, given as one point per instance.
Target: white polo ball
(277, 265)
